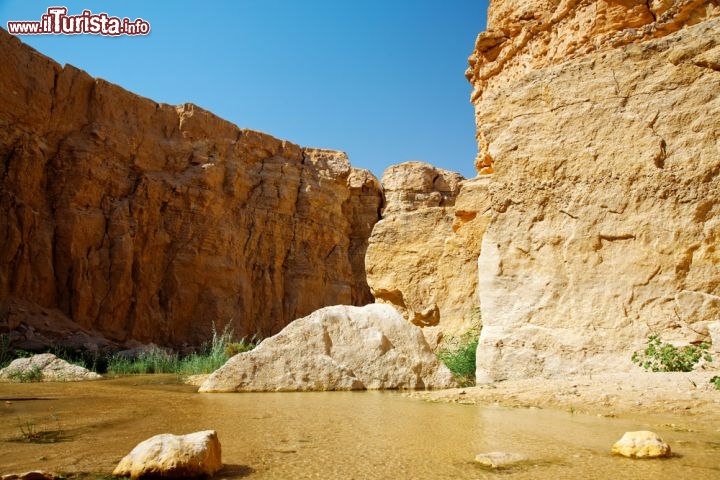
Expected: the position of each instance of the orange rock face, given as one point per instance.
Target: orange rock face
(599, 122)
(422, 256)
(152, 222)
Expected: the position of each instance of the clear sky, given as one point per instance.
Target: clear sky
(382, 80)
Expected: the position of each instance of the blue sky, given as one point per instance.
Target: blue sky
(382, 80)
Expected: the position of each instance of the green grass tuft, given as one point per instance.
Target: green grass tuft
(34, 374)
(152, 361)
(207, 359)
(461, 362)
(30, 432)
(459, 356)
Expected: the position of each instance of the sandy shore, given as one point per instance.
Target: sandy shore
(623, 394)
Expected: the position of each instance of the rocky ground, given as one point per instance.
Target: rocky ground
(620, 394)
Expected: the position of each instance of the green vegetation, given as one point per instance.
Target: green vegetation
(209, 358)
(30, 432)
(716, 381)
(664, 357)
(459, 356)
(92, 360)
(34, 374)
(151, 361)
(233, 348)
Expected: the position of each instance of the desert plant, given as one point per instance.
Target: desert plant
(716, 381)
(151, 361)
(664, 357)
(33, 374)
(92, 360)
(460, 357)
(210, 356)
(241, 346)
(214, 354)
(461, 361)
(30, 432)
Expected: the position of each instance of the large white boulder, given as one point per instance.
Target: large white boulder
(45, 367)
(173, 456)
(337, 348)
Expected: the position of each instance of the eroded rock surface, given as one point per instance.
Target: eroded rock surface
(422, 254)
(641, 444)
(151, 222)
(599, 120)
(336, 348)
(31, 327)
(173, 456)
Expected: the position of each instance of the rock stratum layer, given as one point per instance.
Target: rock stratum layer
(145, 221)
(422, 254)
(599, 120)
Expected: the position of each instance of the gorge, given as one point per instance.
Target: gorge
(592, 224)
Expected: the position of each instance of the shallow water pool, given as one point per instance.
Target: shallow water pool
(343, 435)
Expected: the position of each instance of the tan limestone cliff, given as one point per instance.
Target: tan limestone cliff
(525, 36)
(599, 119)
(363, 207)
(152, 222)
(422, 255)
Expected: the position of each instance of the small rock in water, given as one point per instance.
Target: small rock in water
(173, 456)
(499, 459)
(641, 444)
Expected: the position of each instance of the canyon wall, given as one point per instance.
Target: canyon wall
(422, 254)
(598, 121)
(134, 220)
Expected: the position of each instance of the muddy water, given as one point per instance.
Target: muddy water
(330, 435)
